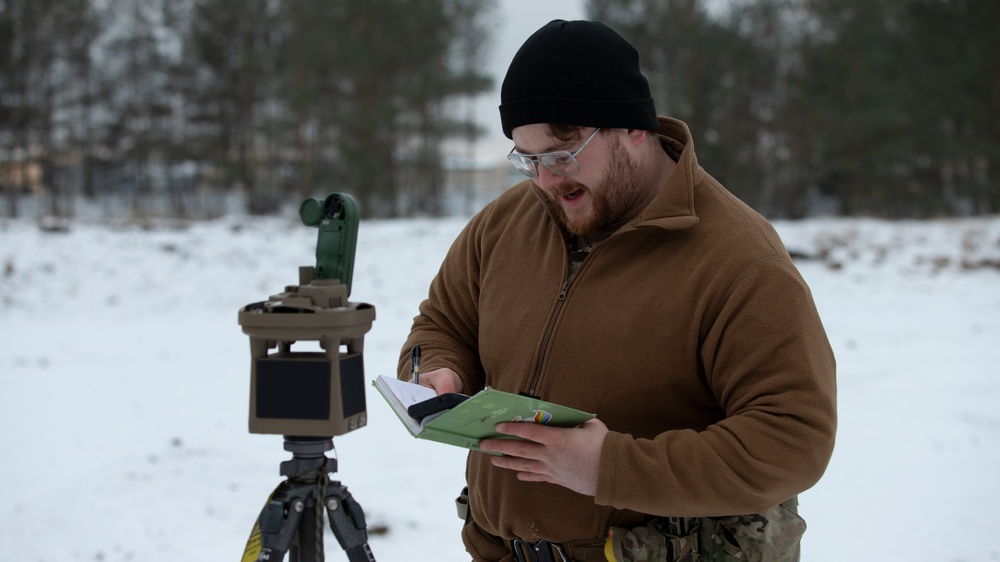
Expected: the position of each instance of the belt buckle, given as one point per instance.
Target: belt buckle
(541, 551)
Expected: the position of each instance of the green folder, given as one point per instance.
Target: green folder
(475, 419)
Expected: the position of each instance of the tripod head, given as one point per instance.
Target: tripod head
(312, 394)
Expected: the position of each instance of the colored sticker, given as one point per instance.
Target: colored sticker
(541, 416)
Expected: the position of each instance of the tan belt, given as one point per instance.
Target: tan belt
(586, 550)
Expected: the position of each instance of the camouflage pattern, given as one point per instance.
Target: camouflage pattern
(772, 536)
(664, 539)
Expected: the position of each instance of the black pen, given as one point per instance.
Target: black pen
(415, 363)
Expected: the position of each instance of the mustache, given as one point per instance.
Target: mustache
(565, 189)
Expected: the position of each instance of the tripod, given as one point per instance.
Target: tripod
(292, 520)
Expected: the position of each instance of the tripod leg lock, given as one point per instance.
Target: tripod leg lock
(279, 521)
(347, 520)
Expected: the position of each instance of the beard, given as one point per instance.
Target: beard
(611, 197)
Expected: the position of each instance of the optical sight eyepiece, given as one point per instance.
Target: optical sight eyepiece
(314, 211)
(333, 205)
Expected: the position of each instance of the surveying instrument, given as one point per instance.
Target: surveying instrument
(311, 396)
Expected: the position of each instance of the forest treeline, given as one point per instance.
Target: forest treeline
(885, 108)
(131, 100)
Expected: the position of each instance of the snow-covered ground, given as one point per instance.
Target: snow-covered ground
(124, 379)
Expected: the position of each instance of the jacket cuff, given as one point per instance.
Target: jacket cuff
(608, 472)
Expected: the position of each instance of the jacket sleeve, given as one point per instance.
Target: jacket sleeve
(447, 326)
(768, 361)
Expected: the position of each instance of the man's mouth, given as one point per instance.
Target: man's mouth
(573, 194)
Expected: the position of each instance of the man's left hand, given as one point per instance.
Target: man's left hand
(569, 457)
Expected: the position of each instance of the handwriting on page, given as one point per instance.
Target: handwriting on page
(409, 393)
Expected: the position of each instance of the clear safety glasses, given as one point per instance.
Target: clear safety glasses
(560, 162)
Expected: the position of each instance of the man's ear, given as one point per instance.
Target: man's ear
(637, 136)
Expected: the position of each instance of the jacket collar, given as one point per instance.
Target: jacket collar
(673, 207)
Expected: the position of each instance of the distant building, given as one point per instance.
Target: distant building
(20, 177)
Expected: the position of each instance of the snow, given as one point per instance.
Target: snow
(125, 379)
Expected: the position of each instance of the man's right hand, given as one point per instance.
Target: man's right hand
(441, 380)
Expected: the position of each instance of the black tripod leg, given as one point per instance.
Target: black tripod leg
(347, 520)
(308, 546)
(279, 522)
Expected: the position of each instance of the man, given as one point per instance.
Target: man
(622, 279)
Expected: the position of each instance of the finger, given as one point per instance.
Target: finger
(443, 386)
(521, 465)
(536, 477)
(442, 381)
(502, 446)
(513, 448)
(527, 470)
(531, 431)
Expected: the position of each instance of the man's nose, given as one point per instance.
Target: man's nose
(546, 179)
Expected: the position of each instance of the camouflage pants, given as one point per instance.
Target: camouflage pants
(771, 536)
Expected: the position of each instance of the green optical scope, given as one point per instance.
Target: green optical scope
(337, 217)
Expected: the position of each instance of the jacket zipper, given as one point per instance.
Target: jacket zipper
(532, 388)
(547, 335)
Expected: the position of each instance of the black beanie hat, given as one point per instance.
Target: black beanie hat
(576, 73)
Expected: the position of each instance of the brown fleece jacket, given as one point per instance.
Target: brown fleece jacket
(689, 332)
